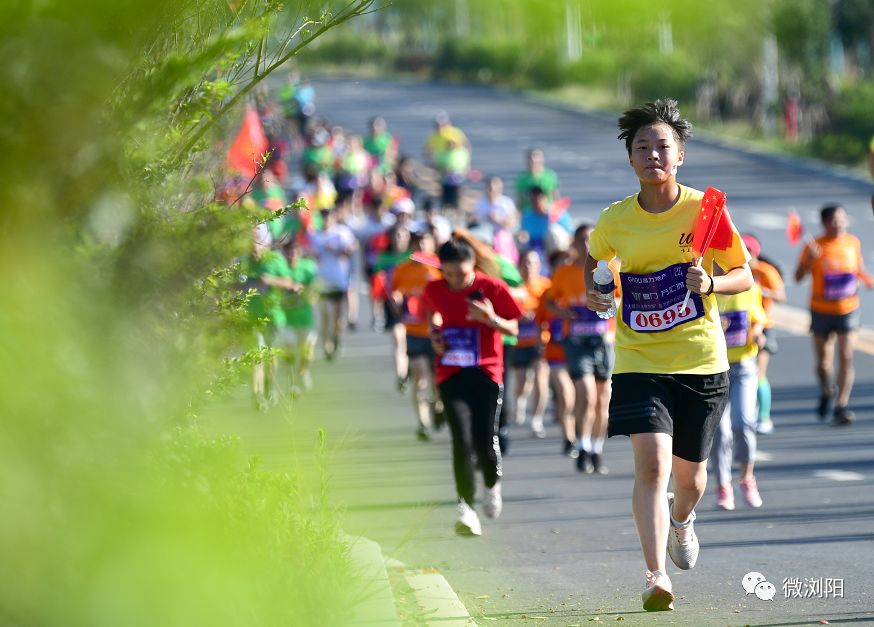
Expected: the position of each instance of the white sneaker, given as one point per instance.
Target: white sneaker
(682, 542)
(468, 522)
(492, 501)
(765, 427)
(659, 593)
(537, 427)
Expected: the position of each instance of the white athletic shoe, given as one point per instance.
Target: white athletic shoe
(537, 429)
(492, 501)
(682, 542)
(659, 593)
(468, 522)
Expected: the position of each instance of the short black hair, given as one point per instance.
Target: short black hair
(828, 211)
(536, 190)
(585, 226)
(662, 111)
(455, 251)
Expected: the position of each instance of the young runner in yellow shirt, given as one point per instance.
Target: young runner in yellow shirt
(669, 383)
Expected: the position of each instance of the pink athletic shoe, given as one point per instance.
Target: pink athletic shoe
(750, 492)
(725, 497)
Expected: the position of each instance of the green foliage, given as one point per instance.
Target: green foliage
(478, 60)
(348, 49)
(596, 67)
(802, 31)
(665, 76)
(839, 148)
(855, 113)
(853, 125)
(123, 315)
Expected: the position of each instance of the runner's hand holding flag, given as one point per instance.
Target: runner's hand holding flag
(712, 230)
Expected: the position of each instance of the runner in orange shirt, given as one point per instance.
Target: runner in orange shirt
(834, 261)
(559, 380)
(770, 283)
(529, 365)
(588, 346)
(407, 286)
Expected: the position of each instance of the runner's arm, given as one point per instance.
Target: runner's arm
(805, 262)
(864, 277)
(734, 281)
(482, 311)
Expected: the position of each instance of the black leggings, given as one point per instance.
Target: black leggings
(472, 402)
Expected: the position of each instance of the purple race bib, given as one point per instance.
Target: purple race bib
(839, 286)
(586, 323)
(556, 330)
(651, 302)
(528, 330)
(462, 347)
(736, 326)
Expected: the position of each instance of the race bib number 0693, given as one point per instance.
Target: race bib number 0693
(663, 319)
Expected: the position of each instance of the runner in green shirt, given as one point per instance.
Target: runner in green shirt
(536, 175)
(297, 337)
(264, 270)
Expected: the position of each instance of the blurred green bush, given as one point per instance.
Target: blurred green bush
(122, 317)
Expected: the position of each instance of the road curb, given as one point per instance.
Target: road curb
(437, 602)
(376, 607)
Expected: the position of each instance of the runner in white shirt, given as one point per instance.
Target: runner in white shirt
(334, 246)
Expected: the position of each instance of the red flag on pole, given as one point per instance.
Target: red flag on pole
(426, 259)
(713, 228)
(794, 228)
(249, 145)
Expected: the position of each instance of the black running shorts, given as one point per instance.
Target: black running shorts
(419, 347)
(826, 324)
(687, 407)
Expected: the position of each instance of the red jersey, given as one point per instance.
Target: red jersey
(470, 344)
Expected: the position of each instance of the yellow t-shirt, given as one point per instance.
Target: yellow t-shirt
(439, 140)
(652, 335)
(738, 313)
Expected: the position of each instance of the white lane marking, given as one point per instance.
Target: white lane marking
(839, 475)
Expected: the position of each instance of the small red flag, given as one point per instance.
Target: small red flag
(794, 228)
(713, 227)
(426, 259)
(559, 206)
(249, 145)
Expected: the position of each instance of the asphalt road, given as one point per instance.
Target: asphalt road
(565, 551)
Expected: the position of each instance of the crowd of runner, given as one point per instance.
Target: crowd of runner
(493, 318)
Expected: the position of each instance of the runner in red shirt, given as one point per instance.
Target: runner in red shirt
(470, 312)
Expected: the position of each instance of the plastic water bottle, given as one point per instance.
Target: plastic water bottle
(604, 284)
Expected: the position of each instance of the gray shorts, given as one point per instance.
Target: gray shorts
(589, 355)
(826, 324)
